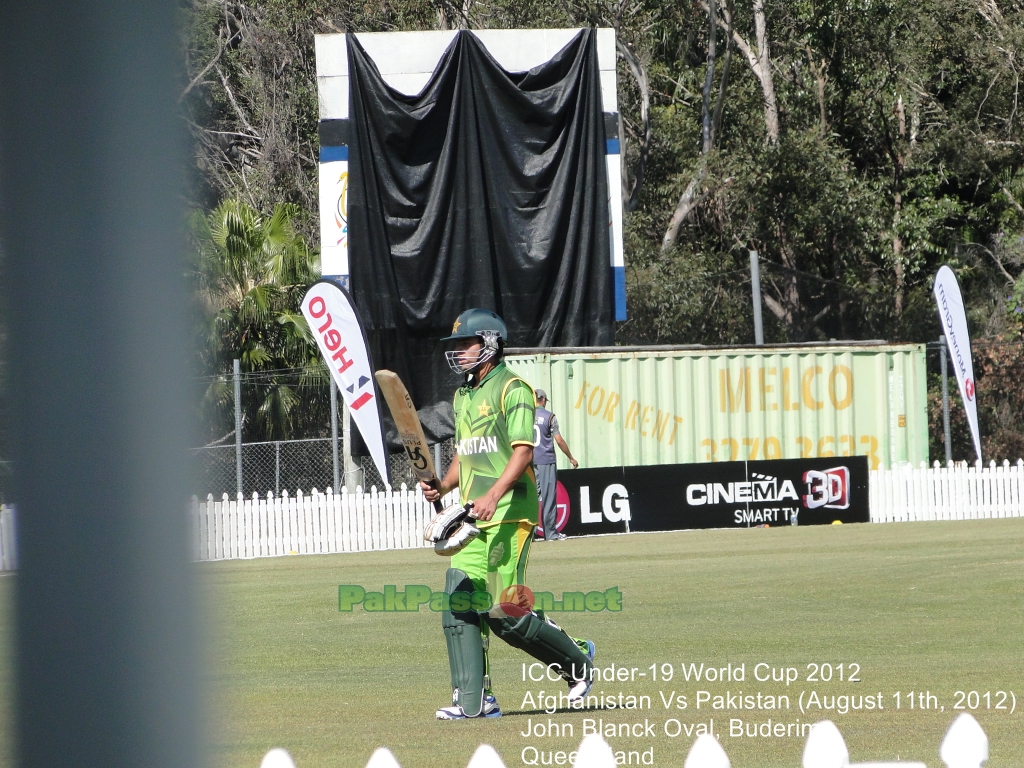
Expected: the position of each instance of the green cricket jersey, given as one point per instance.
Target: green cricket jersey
(489, 421)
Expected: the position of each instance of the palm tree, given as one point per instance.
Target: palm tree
(250, 272)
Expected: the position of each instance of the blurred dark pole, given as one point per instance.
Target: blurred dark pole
(90, 167)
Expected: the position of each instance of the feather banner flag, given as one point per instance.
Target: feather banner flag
(334, 322)
(958, 341)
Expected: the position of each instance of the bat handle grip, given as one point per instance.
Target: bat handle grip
(438, 506)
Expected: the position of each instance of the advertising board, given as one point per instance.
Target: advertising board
(733, 494)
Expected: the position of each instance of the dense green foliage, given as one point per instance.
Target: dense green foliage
(249, 274)
(894, 146)
(899, 150)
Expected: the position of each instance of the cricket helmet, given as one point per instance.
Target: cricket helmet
(471, 324)
(478, 322)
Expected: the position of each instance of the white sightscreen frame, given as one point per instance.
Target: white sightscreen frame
(407, 59)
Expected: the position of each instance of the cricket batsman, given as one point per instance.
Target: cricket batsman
(494, 414)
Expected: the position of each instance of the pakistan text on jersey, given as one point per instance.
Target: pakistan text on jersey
(477, 445)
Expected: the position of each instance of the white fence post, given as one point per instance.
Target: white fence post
(206, 529)
(346, 520)
(277, 758)
(382, 758)
(376, 519)
(293, 518)
(964, 746)
(252, 525)
(8, 539)
(594, 752)
(193, 518)
(331, 544)
(485, 757)
(706, 752)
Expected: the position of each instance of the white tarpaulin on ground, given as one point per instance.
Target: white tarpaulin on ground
(333, 321)
(954, 325)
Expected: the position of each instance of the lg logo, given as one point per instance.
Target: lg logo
(614, 505)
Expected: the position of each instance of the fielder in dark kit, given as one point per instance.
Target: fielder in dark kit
(545, 436)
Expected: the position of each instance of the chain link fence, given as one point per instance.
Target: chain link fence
(398, 466)
(300, 403)
(292, 465)
(266, 467)
(282, 465)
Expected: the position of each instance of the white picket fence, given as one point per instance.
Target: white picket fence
(959, 492)
(314, 523)
(353, 522)
(965, 745)
(330, 522)
(8, 553)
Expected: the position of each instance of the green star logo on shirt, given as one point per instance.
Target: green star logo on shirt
(489, 418)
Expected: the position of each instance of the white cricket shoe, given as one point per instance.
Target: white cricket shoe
(455, 712)
(578, 689)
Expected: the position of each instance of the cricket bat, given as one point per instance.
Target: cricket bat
(409, 428)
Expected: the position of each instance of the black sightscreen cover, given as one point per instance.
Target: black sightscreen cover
(487, 189)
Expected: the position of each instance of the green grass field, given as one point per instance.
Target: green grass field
(922, 607)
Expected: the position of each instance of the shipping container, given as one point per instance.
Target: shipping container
(631, 406)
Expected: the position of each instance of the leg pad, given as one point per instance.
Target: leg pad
(545, 641)
(466, 659)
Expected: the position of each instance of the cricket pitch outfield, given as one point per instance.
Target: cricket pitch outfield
(888, 630)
